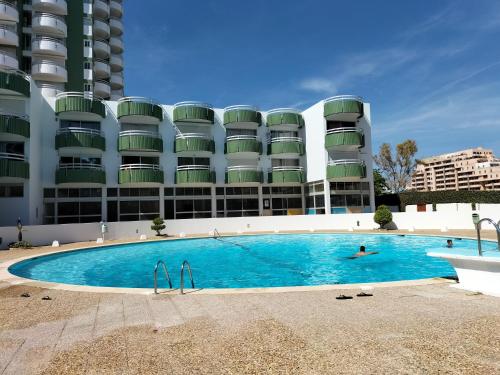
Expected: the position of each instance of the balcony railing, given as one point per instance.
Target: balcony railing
(12, 156)
(154, 167)
(285, 118)
(13, 166)
(244, 174)
(14, 81)
(193, 112)
(140, 140)
(78, 173)
(8, 11)
(14, 124)
(49, 46)
(145, 109)
(344, 139)
(242, 114)
(286, 145)
(343, 108)
(46, 22)
(80, 102)
(46, 70)
(140, 173)
(346, 169)
(286, 174)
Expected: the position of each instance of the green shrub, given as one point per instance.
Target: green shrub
(20, 245)
(158, 225)
(383, 216)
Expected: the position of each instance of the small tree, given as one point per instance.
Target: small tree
(383, 216)
(398, 169)
(379, 183)
(158, 225)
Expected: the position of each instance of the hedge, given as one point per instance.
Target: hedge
(436, 197)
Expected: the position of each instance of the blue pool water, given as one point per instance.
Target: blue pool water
(251, 261)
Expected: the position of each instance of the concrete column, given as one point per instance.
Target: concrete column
(162, 202)
(326, 192)
(104, 204)
(214, 202)
(303, 199)
(261, 203)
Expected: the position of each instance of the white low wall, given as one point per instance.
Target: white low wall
(65, 233)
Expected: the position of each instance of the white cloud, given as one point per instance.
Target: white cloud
(319, 85)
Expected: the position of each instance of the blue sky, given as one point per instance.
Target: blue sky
(430, 68)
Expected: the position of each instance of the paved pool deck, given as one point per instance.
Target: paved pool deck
(408, 329)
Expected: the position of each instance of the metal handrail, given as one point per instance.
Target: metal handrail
(104, 61)
(186, 263)
(79, 130)
(167, 275)
(140, 132)
(216, 231)
(192, 167)
(15, 115)
(241, 137)
(9, 28)
(85, 95)
(49, 39)
(189, 103)
(50, 63)
(193, 135)
(137, 99)
(12, 156)
(343, 97)
(42, 14)
(478, 229)
(8, 53)
(154, 167)
(284, 110)
(286, 139)
(80, 166)
(243, 168)
(17, 72)
(344, 130)
(346, 161)
(241, 106)
(10, 4)
(287, 168)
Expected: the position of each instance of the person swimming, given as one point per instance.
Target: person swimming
(449, 243)
(362, 252)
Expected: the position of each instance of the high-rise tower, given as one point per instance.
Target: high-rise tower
(65, 45)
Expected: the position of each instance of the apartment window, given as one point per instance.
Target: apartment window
(11, 191)
(64, 124)
(87, 65)
(87, 43)
(139, 210)
(87, 87)
(181, 161)
(78, 212)
(193, 208)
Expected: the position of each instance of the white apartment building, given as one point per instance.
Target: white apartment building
(472, 169)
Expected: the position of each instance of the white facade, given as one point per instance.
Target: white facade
(66, 183)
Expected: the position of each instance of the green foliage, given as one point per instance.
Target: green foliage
(449, 196)
(397, 169)
(158, 225)
(20, 245)
(383, 216)
(379, 182)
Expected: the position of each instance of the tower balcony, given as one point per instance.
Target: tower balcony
(8, 12)
(195, 144)
(151, 174)
(116, 81)
(243, 147)
(116, 62)
(343, 108)
(139, 110)
(8, 61)
(242, 116)
(116, 44)
(194, 112)
(140, 141)
(101, 9)
(77, 105)
(116, 9)
(101, 29)
(284, 147)
(102, 70)
(48, 46)
(116, 26)
(344, 139)
(47, 70)
(286, 175)
(46, 23)
(102, 89)
(80, 173)
(8, 35)
(59, 7)
(284, 118)
(346, 170)
(14, 127)
(102, 50)
(14, 82)
(13, 168)
(247, 175)
(89, 141)
(194, 175)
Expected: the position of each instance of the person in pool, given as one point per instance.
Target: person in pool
(449, 243)
(362, 252)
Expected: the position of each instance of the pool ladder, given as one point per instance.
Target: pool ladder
(167, 275)
(478, 229)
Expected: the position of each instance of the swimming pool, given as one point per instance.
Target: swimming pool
(250, 261)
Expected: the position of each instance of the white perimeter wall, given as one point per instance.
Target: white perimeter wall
(445, 219)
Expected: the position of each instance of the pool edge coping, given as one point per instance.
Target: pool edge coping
(13, 280)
